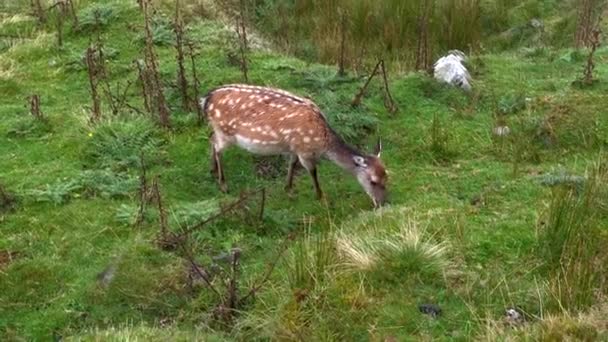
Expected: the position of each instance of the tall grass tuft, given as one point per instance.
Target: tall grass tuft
(571, 242)
(391, 248)
(386, 28)
(310, 261)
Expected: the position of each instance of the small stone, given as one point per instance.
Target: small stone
(430, 309)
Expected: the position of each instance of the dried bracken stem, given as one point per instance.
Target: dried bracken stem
(34, 101)
(145, 85)
(162, 212)
(158, 102)
(94, 71)
(590, 66)
(196, 84)
(182, 81)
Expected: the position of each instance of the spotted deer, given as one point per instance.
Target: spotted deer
(270, 121)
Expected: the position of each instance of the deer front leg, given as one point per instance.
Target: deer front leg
(311, 165)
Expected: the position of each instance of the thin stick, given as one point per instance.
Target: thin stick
(357, 100)
(391, 106)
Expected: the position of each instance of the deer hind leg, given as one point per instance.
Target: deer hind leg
(290, 171)
(310, 164)
(218, 143)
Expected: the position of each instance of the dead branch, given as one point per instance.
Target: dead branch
(357, 100)
(388, 99)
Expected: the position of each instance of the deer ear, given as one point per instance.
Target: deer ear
(359, 161)
(378, 148)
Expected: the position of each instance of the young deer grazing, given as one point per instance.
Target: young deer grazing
(271, 121)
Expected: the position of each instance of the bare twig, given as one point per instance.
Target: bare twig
(388, 101)
(357, 100)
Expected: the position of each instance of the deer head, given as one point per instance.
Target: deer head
(372, 175)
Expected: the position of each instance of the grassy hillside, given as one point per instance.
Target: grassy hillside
(476, 223)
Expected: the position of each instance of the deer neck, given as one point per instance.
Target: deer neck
(342, 154)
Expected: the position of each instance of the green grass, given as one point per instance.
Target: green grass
(462, 230)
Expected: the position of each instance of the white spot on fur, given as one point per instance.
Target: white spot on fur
(217, 113)
(306, 139)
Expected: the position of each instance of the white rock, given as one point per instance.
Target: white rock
(450, 69)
